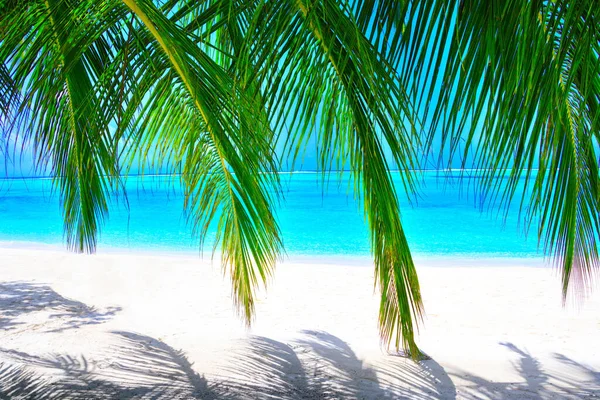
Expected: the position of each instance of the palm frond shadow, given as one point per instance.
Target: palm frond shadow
(322, 366)
(139, 367)
(317, 366)
(270, 369)
(19, 299)
(151, 363)
(539, 382)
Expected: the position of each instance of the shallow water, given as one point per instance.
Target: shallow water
(445, 221)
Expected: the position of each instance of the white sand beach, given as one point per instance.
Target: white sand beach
(163, 327)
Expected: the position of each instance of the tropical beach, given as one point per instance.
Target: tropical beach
(151, 326)
(299, 199)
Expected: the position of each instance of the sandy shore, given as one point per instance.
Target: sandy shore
(156, 327)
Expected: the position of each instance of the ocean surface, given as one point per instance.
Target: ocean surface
(444, 221)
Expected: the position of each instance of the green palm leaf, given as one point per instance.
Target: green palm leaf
(315, 62)
(215, 136)
(518, 97)
(52, 57)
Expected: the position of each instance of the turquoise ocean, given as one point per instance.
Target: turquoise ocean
(446, 219)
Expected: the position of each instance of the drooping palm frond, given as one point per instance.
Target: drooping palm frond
(255, 56)
(190, 111)
(125, 62)
(322, 78)
(512, 89)
(201, 87)
(54, 51)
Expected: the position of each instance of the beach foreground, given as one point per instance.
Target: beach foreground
(149, 326)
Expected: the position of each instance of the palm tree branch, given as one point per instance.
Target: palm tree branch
(400, 301)
(250, 235)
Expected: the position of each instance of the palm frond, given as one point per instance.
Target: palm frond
(52, 55)
(517, 88)
(322, 78)
(189, 111)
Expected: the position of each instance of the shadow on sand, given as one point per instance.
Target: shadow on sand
(141, 368)
(571, 380)
(19, 300)
(319, 365)
(316, 365)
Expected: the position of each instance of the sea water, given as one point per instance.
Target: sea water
(445, 219)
